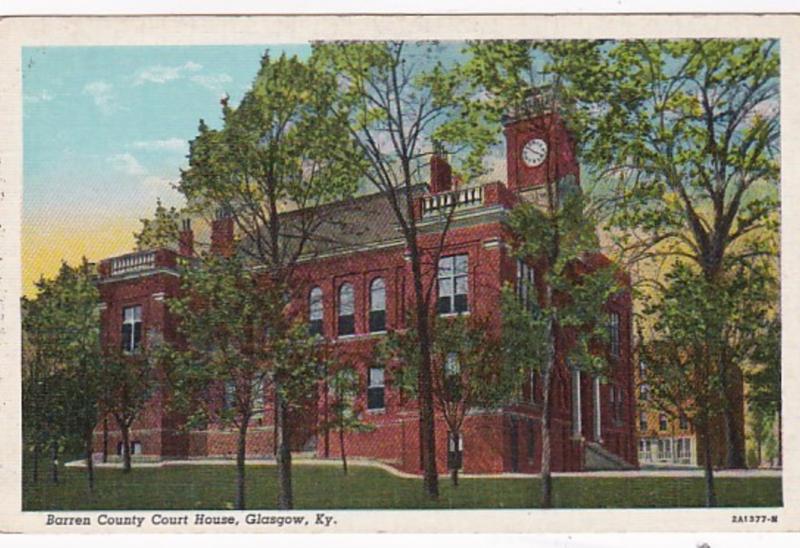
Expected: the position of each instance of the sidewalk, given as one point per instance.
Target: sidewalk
(647, 473)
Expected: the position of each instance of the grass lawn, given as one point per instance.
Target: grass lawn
(325, 487)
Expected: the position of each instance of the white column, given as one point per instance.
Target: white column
(598, 433)
(577, 427)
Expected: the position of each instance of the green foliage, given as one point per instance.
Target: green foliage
(403, 104)
(580, 290)
(129, 381)
(466, 370)
(62, 371)
(283, 147)
(344, 411)
(163, 230)
(238, 334)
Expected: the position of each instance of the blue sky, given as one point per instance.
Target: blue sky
(106, 132)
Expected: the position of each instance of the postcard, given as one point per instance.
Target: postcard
(312, 274)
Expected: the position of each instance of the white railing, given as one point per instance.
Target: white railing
(135, 262)
(455, 199)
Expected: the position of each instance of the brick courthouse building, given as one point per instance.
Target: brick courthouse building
(357, 288)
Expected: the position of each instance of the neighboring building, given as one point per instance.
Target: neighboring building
(357, 286)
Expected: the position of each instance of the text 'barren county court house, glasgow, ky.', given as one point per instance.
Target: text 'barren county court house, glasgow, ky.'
(358, 286)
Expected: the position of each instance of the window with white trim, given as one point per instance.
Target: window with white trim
(643, 421)
(347, 310)
(375, 389)
(453, 281)
(316, 312)
(131, 329)
(613, 334)
(526, 284)
(662, 422)
(377, 306)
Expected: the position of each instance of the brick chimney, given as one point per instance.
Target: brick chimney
(222, 232)
(441, 174)
(186, 239)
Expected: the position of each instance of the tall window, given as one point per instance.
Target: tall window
(613, 333)
(526, 288)
(316, 312)
(347, 308)
(229, 395)
(662, 422)
(644, 388)
(453, 281)
(377, 305)
(684, 422)
(131, 329)
(642, 421)
(375, 388)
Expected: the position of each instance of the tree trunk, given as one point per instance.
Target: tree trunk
(734, 447)
(341, 448)
(36, 456)
(126, 448)
(547, 479)
(711, 496)
(241, 451)
(758, 451)
(89, 462)
(54, 462)
(327, 429)
(284, 458)
(427, 433)
(105, 438)
(454, 471)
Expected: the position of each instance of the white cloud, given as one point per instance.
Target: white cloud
(214, 82)
(160, 74)
(126, 163)
(173, 144)
(41, 97)
(102, 94)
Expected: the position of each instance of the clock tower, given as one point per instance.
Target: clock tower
(538, 148)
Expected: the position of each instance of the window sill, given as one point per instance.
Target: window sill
(379, 411)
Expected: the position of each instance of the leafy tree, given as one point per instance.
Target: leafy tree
(282, 148)
(764, 380)
(223, 314)
(403, 105)
(343, 409)
(128, 383)
(163, 230)
(62, 330)
(573, 295)
(467, 372)
(239, 339)
(684, 134)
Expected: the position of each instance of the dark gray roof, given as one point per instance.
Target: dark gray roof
(350, 224)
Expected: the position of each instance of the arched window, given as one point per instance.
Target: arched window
(347, 323)
(377, 305)
(315, 312)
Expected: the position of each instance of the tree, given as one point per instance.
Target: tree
(574, 291)
(764, 380)
(402, 106)
(679, 371)
(467, 372)
(344, 412)
(163, 230)
(685, 135)
(223, 315)
(62, 330)
(127, 385)
(282, 148)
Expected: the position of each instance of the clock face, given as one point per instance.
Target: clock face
(534, 152)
